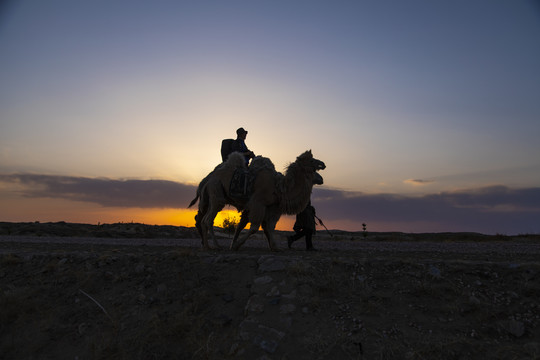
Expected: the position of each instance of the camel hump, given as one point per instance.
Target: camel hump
(235, 160)
(260, 162)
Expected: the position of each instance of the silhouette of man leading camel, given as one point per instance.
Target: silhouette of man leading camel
(265, 193)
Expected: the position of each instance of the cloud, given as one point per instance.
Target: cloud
(417, 182)
(488, 209)
(103, 191)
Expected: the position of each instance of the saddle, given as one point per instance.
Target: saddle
(241, 184)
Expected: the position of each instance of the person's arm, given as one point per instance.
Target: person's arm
(241, 147)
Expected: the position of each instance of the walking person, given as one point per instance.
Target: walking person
(304, 227)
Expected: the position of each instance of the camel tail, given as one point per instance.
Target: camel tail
(193, 201)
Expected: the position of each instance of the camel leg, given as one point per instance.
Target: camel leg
(207, 224)
(198, 218)
(210, 203)
(270, 237)
(236, 245)
(256, 217)
(269, 226)
(244, 220)
(204, 233)
(214, 240)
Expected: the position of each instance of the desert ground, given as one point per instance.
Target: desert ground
(134, 291)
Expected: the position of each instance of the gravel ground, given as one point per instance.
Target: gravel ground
(389, 296)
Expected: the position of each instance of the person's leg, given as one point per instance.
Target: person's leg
(293, 238)
(309, 244)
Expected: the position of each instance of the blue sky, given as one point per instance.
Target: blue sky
(413, 106)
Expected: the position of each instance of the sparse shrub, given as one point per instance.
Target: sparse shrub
(229, 224)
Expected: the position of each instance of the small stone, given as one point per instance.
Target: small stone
(254, 305)
(140, 268)
(275, 301)
(234, 349)
(268, 264)
(82, 328)
(533, 348)
(227, 298)
(273, 292)
(286, 321)
(291, 295)
(287, 309)
(263, 280)
(434, 271)
(161, 288)
(516, 328)
(269, 346)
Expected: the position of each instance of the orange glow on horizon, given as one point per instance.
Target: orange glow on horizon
(181, 217)
(55, 210)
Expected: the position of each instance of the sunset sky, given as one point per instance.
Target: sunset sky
(426, 113)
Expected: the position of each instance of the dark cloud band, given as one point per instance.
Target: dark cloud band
(106, 192)
(488, 209)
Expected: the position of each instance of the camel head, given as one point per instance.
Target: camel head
(307, 160)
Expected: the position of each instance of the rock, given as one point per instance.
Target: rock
(263, 280)
(141, 298)
(82, 328)
(254, 305)
(474, 300)
(162, 288)
(140, 268)
(532, 348)
(269, 346)
(275, 301)
(270, 263)
(516, 328)
(235, 349)
(247, 328)
(273, 292)
(287, 309)
(305, 290)
(227, 298)
(290, 296)
(286, 321)
(434, 271)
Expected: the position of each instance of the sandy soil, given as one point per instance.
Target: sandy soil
(387, 296)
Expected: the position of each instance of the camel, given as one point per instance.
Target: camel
(273, 194)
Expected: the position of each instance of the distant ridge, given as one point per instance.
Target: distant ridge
(138, 230)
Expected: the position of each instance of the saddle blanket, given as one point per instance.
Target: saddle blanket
(241, 184)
